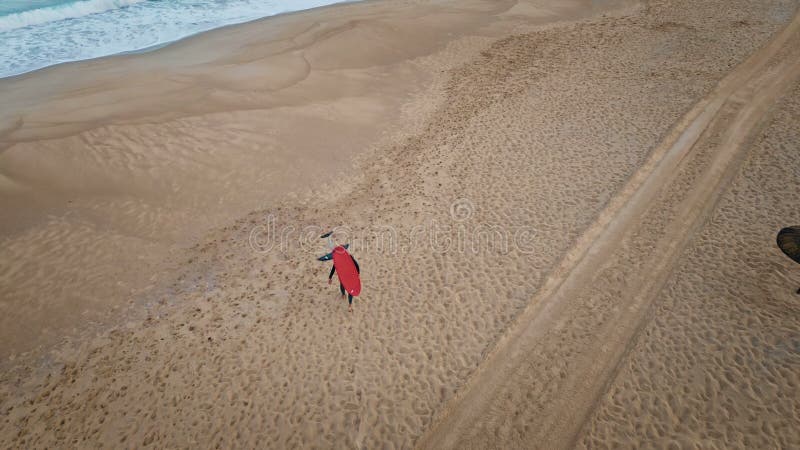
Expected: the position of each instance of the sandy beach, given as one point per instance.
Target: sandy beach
(565, 215)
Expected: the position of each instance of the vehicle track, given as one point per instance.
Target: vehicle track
(484, 411)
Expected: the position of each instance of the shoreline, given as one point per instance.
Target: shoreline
(156, 47)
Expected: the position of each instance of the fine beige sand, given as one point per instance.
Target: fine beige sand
(109, 168)
(631, 163)
(596, 304)
(718, 362)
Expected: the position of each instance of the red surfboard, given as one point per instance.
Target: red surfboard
(346, 270)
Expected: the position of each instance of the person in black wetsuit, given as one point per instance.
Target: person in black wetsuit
(341, 286)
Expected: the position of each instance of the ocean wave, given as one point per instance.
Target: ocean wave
(61, 12)
(142, 25)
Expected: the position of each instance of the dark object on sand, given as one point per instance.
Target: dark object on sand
(789, 242)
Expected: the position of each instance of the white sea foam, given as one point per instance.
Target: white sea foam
(131, 25)
(60, 12)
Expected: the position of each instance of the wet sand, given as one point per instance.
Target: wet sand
(541, 133)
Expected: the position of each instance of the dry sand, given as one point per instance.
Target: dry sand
(612, 140)
(546, 375)
(718, 361)
(110, 167)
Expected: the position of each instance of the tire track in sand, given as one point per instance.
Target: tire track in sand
(483, 413)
